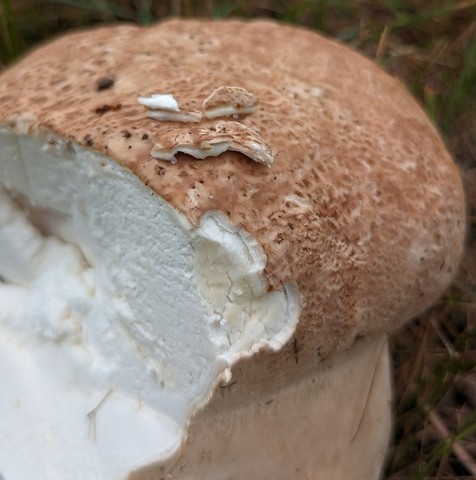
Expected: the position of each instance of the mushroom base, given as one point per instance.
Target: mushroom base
(333, 425)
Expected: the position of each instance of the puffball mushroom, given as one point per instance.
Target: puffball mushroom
(215, 318)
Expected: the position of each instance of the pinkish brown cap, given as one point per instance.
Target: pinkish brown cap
(362, 207)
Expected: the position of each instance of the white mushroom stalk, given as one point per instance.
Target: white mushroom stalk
(202, 142)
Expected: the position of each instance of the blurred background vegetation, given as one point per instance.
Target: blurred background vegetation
(431, 46)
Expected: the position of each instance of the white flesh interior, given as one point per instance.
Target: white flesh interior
(117, 318)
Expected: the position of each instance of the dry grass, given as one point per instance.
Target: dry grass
(431, 46)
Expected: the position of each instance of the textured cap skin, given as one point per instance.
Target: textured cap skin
(362, 208)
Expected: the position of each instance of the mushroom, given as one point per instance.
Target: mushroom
(212, 319)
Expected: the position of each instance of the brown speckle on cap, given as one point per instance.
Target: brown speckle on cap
(88, 140)
(102, 109)
(104, 83)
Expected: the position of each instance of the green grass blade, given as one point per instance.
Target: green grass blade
(464, 89)
(8, 32)
(104, 7)
(145, 15)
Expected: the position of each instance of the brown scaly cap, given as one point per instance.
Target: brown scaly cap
(362, 207)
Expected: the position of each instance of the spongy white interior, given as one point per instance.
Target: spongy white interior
(117, 318)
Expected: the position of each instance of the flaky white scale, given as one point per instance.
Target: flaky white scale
(215, 139)
(230, 101)
(165, 108)
(212, 140)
